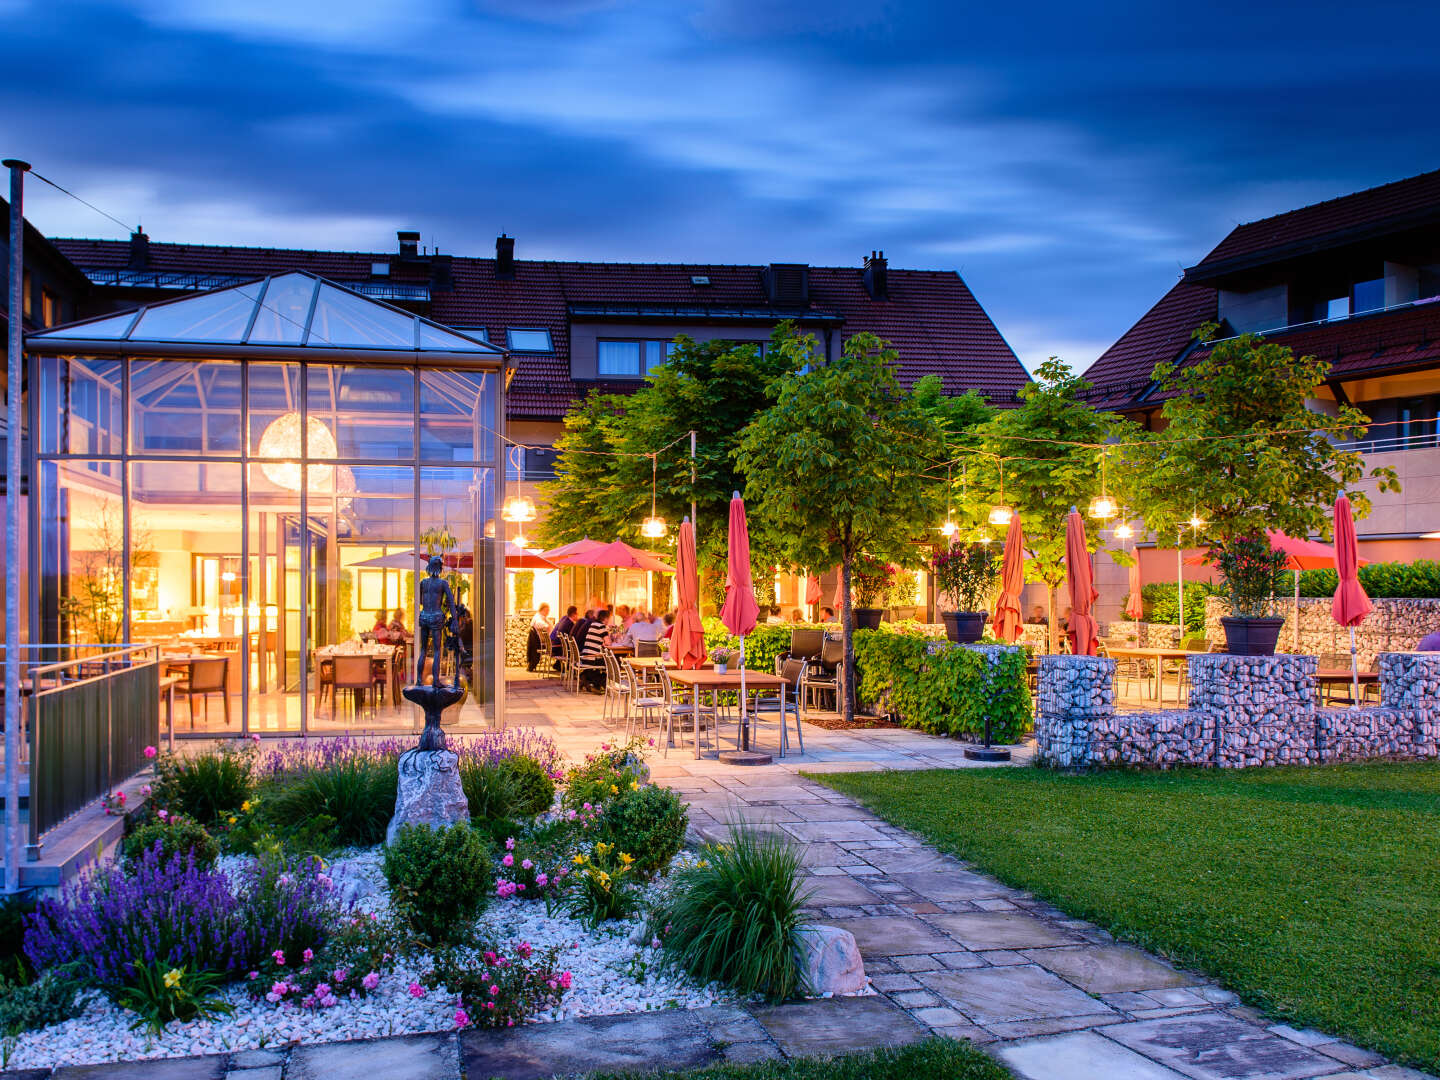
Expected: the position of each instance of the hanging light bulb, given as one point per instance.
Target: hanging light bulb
(521, 540)
(1103, 507)
(1001, 514)
(949, 529)
(653, 526)
(518, 508)
(1123, 531)
(987, 539)
(1196, 521)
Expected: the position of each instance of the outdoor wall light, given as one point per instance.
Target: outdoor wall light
(1103, 507)
(1001, 515)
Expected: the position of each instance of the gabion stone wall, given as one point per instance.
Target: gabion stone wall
(517, 634)
(1146, 635)
(1393, 625)
(1243, 711)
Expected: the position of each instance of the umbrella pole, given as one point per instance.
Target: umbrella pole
(1180, 585)
(1295, 634)
(1354, 673)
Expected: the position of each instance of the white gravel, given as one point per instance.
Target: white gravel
(611, 975)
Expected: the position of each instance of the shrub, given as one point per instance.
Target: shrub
(490, 789)
(356, 791)
(649, 823)
(27, 1004)
(529, 869)
(1161, 603)
(732, 917)
(14, 911)
(602, 885)
(1414, 580)
(349, 965)
(499, 988)
(171, 835)
(605, 774)
(439, 878)
(207, 787)
(533, 791)
(158, 996)
(1252, 573)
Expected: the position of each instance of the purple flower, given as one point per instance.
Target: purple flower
(370, 981)
(510, 843)
(415, 990)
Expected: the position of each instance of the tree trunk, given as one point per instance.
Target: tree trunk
(1054, 638)
(847, 630)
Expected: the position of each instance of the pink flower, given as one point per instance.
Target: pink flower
(146, 791)
(655, 943)
(416, 990)
(462, 1018)
(570, 815)
(524, 950)
(565, 979)
(541, 880)
(280, 989)
(490, 1004)
(508, 860)
(278, 956)
(490, 958)
(272, 997)
(322, 990)
(253, 975)
(588, 806)
(370, 981)
(339, 974)
(150, 751)
(526, 864)
(254, 738)
(494, 990)
(329, 1001)
(510, 844)
(308, 955)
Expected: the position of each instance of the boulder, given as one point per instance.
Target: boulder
(829, 961)
(429, 792)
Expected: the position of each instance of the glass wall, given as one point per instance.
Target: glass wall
(261, 520)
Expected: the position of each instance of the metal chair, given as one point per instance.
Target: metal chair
(208, 676)
(805, 644)
(617, 687)
(646, 647)
(768, 702)
(352, 673)
(698, 715)
(647, 695)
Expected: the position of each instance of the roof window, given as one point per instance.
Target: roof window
(537, 341)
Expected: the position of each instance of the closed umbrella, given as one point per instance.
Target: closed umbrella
(1083, 629)
(813, 593)
(687, 639)
(740, 611)
(1012, 581)
(1135, 604)
(1350, 605)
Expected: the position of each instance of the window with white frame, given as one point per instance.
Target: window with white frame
(631, 358)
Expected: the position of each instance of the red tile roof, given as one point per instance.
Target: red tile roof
(1122, 373)
(1376, 207)
(932, 318)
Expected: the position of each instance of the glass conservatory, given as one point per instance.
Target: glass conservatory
(250, 478)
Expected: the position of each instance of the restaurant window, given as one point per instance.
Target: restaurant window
(536, 341)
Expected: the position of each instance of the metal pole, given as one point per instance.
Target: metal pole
(18, 169)
(694, 521)
(1180, 580)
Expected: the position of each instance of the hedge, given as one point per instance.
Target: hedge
(1161, 603)
(948, 692)
(1411, 581)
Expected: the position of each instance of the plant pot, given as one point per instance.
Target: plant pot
(868, 618)
(963, 627)
(1251, 637)
(721, 669)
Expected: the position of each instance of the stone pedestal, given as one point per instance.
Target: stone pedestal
(429, 792)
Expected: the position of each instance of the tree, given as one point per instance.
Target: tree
(1033, 457)
(95, 604)
(1243, 450)
(839, 460)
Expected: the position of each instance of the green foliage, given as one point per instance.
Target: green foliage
(1420, 579)
(490, 789)
(28, 1004)
(931, 1059)
(949, 692)
(601, 885)
(14, 910)
(966, 572)
(533, 790)
(1242, 448)
(161, 993)
(356, 793)
(648, 823)
(605, 775)
(1253, 573)
(524, 581)
(176, 835)
(1293, 886)
(499, 987)
(208, 786)
(440, 879)
(732, 917)
(871, 581)
(1161, 603)
(838, 459)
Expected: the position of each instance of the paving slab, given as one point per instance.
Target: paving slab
(834, 831)
(894, 935)
(413, 1057)
(210, 1067)
(838, 890)
(1080, 1055)
(914, 861)
(946, 884)
(1219, 1047)
(1026, 992)
(841, 1025)
(1111, 969)
(639, 1042)
(1001, 930)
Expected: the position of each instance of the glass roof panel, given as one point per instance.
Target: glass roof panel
(113, 327)
(344, 319)
(217, 316)
(435, 337)
(283, 310)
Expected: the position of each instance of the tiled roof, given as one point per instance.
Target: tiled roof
(1122, 373)
(932, 318)
(1393, 202)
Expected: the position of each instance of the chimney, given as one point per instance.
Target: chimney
(876, 280)
(409, 244)
(504, 256)
(139, 250)
(788, 284)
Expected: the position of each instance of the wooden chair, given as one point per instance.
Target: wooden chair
(206, 677)
(352, 673)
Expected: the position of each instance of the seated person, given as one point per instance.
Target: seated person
(381, 629)
(669, 625)
(592, 650)
(397, 626)
(827, 614)
(796, 616)
(538, 642)
(566, 625)
(643, 629)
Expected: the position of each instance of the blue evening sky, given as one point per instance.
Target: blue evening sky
(1067, 159)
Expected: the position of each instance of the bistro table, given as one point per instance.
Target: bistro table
(716, 681)
(375, 651)
(1159, 656)
(1325, 677)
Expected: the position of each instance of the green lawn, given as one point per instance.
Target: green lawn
(1314, 893)
(933, 1059)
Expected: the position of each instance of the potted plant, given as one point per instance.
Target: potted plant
(721, 657)
(870, 579)
(965, 575)
(1252, 574)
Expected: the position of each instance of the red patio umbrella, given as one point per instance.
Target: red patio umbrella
(741, 611)
(1083, 629)
(687, 639)
(813, 594)
(614, 556)
(572, 548)
(1012, 581)
(1135, 604)
(1350, 605)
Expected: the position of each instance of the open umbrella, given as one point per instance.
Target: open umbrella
(616, 556)
(571, 548)
(687, 639)
(1350, 605)
(1081, 577)
(1135, 603)
(740, 612)
(1012, 581)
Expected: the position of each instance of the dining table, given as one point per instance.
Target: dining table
(376, 651)
(1158, 656)
(700, 680)
(1328, 677)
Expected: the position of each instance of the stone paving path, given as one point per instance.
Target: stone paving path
(950, 950)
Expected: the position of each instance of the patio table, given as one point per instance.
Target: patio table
(1326, 677)
(1159, 656)
(716, 681)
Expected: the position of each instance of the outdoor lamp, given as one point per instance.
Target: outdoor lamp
(521, 540)
(1103, 507)
(1123, 531)
(518, 508)
(1196, 521)
(653, 527)
(1001, 515)
(949, 528)
(987, 539)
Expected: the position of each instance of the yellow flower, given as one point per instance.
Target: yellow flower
(172, 978)
(602, 849)
(230, 820)
(614, 790)
(579, 860)
(603, 878)
(634, 785)
(626, 859)
(245, 807)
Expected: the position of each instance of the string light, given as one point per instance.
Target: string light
(653, 526)
(1000, 514)
(949, 529)
(1103, 507)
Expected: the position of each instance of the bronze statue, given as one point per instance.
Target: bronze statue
(436, 618)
